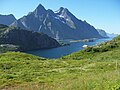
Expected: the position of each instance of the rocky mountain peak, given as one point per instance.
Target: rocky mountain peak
(11, 15)
(40, 10)
(61, 23)
(65, 13)
(50, 13)
(40, 6)
(62, 11)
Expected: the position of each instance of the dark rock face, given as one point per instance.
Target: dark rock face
(7, 19)
(102, 33)
(61, 24)
(27, 40)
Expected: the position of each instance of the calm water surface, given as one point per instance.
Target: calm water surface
(62, 51)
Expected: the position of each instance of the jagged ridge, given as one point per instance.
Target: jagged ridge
(61, 24)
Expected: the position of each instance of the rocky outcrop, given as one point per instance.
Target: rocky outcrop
(7, 19)
(61, 24)
(26, 40)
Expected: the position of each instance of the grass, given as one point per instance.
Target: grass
(84, 70)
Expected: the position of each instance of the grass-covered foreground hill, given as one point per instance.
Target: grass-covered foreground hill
(95, 68)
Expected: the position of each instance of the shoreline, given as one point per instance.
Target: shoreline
(74, 41)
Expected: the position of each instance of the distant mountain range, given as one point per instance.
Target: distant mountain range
(61, 24)
(24, 39)
(112, 35)
(7, 19)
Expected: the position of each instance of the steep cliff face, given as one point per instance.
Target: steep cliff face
(61, 24)
(7, 19)
(26, 40)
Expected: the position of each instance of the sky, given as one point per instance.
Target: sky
(102, 14)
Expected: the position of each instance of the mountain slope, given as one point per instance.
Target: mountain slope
(61, 24)
(102, 33)
(7, 19)
(26, 40)
(92, 51)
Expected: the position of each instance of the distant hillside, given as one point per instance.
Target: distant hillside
(24, 39)
(7, 19)
(98, 49)
(61, 24)
(102, 33)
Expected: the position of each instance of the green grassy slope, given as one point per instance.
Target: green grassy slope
(95, 68)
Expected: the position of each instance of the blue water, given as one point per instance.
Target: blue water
(65, 50)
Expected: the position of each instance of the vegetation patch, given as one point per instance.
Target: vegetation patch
(89, 69)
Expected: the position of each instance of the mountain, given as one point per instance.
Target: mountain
(112, 35)
(61, 24)
(24, 39)
(7, 19)
(102, 33)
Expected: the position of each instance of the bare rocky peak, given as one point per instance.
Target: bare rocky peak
(61, 23)
(40, 10)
